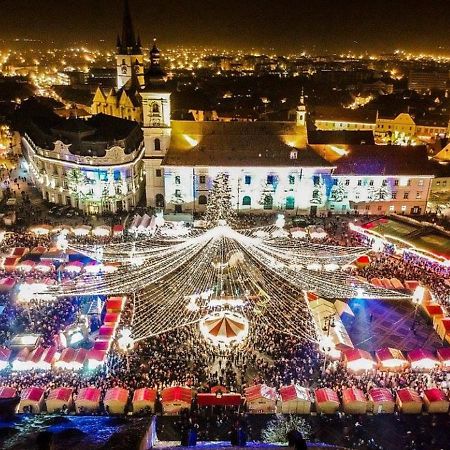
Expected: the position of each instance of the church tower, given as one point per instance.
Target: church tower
(156, 126)
(301, 111)
(129, 57)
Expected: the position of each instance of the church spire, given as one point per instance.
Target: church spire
(129, 44)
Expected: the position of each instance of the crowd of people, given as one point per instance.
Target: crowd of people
(183, 357)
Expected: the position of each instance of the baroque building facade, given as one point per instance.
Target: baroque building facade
(271, 166)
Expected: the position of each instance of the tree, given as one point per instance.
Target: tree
(220, 204)
(77, 182)
(277, 430)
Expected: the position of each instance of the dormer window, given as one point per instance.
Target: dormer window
(293, 154)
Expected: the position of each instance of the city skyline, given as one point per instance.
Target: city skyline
(318, 27)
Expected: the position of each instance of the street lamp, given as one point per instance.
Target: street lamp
(326, 343)
(417, 300)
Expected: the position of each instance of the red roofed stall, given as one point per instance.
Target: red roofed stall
(327, 401)
(261, 399)
(358, 360)
(442, 327)
(88, 399)
(391, 359)
(219, 399)
(5, 354)
(32, 400)
(435, 401)
(443, 355)
(295, 399)
(58, 399)
(143, 399)
(381, 401)
(7, 392)
(408, 401)
(421, 359)
(115, 304)
(434, 311)
(116, 400)
(354, 401)
(175, 399)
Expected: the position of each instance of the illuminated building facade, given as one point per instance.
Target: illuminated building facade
(402, 129)
(94, 165)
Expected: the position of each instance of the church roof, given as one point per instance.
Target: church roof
(127, 44)
(234, 144)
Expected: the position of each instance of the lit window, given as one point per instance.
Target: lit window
(418, 195)
(293, 154)
(420, 182)
(392, 208)
(403, 208)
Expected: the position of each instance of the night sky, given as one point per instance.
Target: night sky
(283, 25)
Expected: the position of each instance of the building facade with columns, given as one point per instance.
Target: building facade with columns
(94, 165)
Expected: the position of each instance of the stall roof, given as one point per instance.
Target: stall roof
(144, 394)
(176, 393)
(408, 395)
(326, 395)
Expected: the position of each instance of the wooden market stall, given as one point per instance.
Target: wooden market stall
(408, 401)
(421, 359)
(5, 355)
(116, 400)
(144, 399)
(32, 400)
(435, 401)
(381, 401)
(327, 401)
(443, 355)
(442, 327)
(87, 400)
(391, 359)
(358, 360)
(175, 399)
(261, 399)
(354, 401)
(295, 399)
(59, 399)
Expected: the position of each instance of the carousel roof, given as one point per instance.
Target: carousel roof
(226, 326)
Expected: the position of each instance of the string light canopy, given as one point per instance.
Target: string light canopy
(257, 274)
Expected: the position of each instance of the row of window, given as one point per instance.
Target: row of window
(420, 182)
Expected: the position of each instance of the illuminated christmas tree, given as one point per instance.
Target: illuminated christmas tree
(220, 204)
